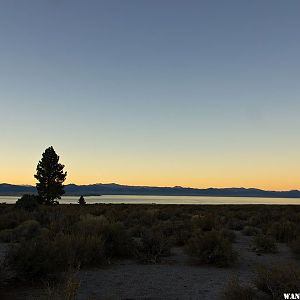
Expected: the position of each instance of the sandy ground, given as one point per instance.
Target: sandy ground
(177, 277)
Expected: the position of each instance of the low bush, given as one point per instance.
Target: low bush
(181, 232)
(90, 224)
(28, 230)
(12, 218)
(137, 231)
(229, 234)
(31, 259)
(264, 244)
(204, 222)
(66, 289)
(255, 221)
(278, 280)
(151, 247)
(39, 257)
(25, 231)
(28, 202)
(211, 247)
(236, 224)
(235, 291)
(117, 241)
(93, 242)
(251, 231)
(283, 231)
(268, 283)
(71, 250)
(70, 287)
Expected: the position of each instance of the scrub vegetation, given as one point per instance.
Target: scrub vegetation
(267, 283)
(44, 242)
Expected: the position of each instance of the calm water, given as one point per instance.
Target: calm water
(136, 199)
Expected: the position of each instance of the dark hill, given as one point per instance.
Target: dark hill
(117, 189)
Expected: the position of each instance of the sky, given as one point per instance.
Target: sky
(165, 93)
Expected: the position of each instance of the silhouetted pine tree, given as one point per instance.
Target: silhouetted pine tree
(81, 201)
(50, 176)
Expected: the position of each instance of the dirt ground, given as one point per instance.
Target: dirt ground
(177, 277)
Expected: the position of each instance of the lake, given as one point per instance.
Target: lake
(137, 199)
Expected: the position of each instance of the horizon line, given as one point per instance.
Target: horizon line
(154, 186)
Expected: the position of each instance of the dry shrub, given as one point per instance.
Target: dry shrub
(116, 240)
(211, 247)
(12, 218)
(67, 289)
(74, 249)
(42, 256)
(151, 247)
(283, 231)
(278, 280)
(251, 231)
(206, 222)
(264, 244)
(93, 242)
(236, 224)
(90, 224)
(25, 231)
(229, 234)
(28, 202)
(235, 291)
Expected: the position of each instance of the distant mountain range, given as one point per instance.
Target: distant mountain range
(117, 189)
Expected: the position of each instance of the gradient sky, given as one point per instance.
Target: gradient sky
(157, 92)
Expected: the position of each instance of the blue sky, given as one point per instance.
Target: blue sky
(194, 93)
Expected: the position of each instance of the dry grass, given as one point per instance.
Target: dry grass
(278, 280)
(67, 289)
(235, 291)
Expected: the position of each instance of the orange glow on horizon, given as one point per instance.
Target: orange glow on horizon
(203, 184)
(266, 173)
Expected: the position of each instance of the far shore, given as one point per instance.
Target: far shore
(167, 200)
